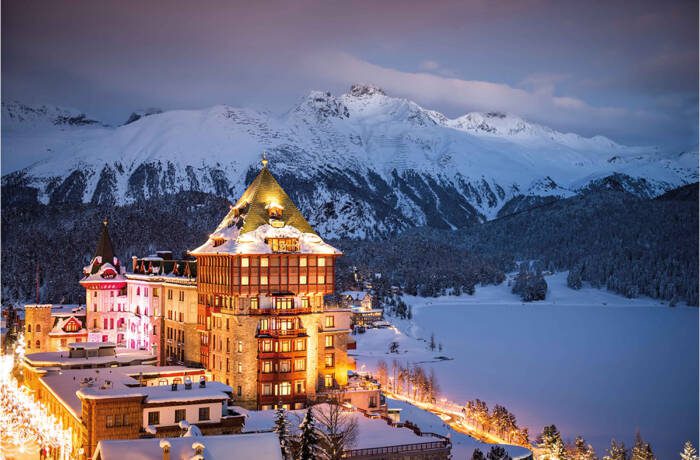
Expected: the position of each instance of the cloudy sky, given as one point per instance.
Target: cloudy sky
(627, 70)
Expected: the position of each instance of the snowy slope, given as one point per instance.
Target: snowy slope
(364, 157)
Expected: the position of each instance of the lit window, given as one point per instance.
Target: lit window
(300, 364)
(245, 262)
(329, 360)
(330, 321)
(240, 346)
(203, 413)
(321, 279)
(285, 388)
(328, 380)
(302, 279)
(263, 280)
(329, 341)
(299, 345)
(244, 280)
(302, 261)
(110, 421)
(267, 345)
(264, 262)
(267, 389)
(285, 345)
(240, 368)
(285, 365)
(304, 302)
(321, 261)
(300, 386)
(266, 367)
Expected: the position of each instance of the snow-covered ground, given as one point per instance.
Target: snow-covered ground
(592, 362)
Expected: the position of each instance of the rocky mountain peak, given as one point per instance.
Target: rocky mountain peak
(365, 89)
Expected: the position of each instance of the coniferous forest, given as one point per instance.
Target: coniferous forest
(610, 239)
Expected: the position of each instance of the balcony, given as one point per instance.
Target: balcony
(281, 376)
(281, 332)
(280, 311)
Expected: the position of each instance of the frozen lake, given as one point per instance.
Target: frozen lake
(591, 362)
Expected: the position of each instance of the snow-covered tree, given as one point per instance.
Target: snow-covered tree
(551, 444)
(308, 441)
(616, 451)
(498, 453)
(689, 452)
(580, 450)
(642, 450)
(282, 430)
(478, 454)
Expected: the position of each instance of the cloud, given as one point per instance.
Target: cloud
(458, 96)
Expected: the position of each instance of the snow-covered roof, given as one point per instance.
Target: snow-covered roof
(371, 432)
(66, 384)
(160, 393)
(253, 242)
(246, 226)
(356, 295)
(259, 446)
(62, 359)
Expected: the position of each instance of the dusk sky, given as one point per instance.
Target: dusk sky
(626, 70)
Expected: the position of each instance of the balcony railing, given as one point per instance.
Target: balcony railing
(418, 447)
(280, 311)
(282, 332)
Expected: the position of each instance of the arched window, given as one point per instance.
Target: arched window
(38, 344)
(29, 328)
(38, 328)
(138, 290)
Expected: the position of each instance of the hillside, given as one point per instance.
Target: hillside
(360, 165)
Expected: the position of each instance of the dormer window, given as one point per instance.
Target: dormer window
(274, 210)
(218, 241)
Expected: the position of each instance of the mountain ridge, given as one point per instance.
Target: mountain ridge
(362, 164)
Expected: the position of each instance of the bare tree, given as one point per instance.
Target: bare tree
(337, 427)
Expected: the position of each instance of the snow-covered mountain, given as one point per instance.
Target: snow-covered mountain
(360, 164)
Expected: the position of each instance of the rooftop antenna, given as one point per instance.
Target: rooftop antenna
(264, 160)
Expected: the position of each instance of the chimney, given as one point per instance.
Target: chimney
(133, 263)
(173, 387)
(188, 383)
(165, 445)
(202, 382)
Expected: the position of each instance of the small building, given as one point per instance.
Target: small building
(86, 355)
(360, 303)
(49, 327)
(129, 402)
(259, 446)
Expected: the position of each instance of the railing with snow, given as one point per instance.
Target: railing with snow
(417, 447)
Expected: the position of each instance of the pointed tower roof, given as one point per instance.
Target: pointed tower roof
(261, 195)
(104, 246)
(263, 211)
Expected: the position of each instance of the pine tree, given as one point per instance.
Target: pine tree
(641, 449)
(282, 430)
(689, 452)
(308, 443)
(498, 453)
(478, 454)
(552, 444)
(582, 451)
(616, 451)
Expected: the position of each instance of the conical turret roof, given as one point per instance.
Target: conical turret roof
(263, 211)
(104, 246)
